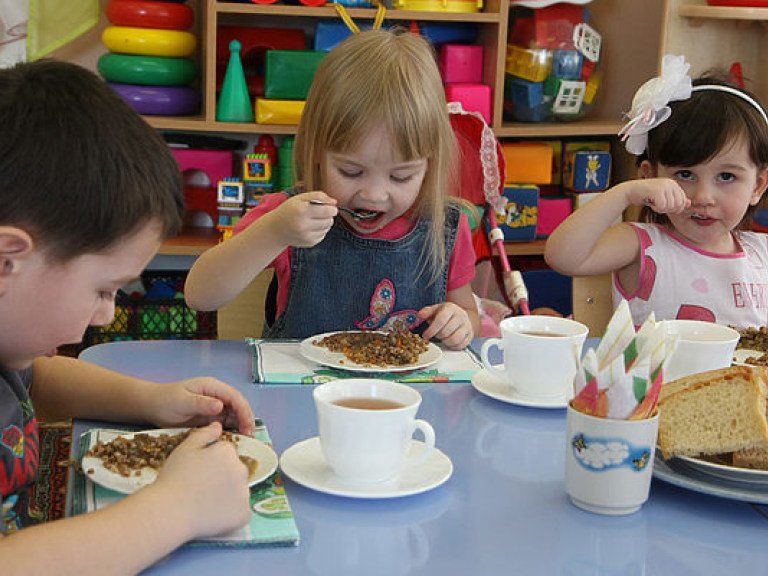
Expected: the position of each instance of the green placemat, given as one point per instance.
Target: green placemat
(271, 524)
(281, 362)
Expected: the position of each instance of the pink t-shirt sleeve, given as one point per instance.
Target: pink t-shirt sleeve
(461, 268)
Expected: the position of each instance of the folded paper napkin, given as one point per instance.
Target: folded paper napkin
(622, 378)
(281, 362)
(271, 524)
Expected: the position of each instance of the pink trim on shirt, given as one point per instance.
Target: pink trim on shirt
(461, 266)
(680, 240)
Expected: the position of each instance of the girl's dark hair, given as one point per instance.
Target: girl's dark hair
(700, 127)
(79, 168)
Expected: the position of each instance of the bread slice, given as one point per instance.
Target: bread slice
(714, 412)
(756, 458)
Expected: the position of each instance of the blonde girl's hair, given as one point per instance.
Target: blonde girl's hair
(389, 78)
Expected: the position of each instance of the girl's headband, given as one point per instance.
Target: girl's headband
(650, 106)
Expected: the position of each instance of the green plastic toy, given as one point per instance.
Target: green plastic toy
(234, 103)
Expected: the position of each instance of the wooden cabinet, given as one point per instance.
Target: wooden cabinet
(630, 30)
(714, 37)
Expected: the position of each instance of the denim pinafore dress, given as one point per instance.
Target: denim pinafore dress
(350, 282)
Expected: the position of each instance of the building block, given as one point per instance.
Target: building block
(255, 42)
(518, 223)
(329, 34)
(530, 64)
(288, 74)
(589, 171)
(285, 112)
(449, 32)
(573, 146)
(554, 25)
(461, 63)
(552, 211)
(566, 64)
(523, 93)
(527, 162)
(473, 98)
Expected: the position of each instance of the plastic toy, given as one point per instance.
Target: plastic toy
(552, 60)
(466, 6)
(289, 73)
(285, 163)
(234, 103)
(528, 162)
(287, 112)
(146, 70)
(254, 43)
(257, 168)
(552, 211)
(266, 145)
(144, 14)
(473, 98)
(520, 213)
(230, 201)
(159, 100)
(461, 63)
(149, 41)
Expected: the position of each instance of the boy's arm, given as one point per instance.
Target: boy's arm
(222, 272)
(68, 388)
(201, 491)
(587, 244)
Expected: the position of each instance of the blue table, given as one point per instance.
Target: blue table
(504, 510)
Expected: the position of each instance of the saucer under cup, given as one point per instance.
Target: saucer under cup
(364, 441)
(541, 355)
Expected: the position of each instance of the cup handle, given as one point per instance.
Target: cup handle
(429, 441)
(499, 343)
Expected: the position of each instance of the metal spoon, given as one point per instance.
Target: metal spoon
(355, 215)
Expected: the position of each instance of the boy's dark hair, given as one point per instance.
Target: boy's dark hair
(700, 127)
(79, 168)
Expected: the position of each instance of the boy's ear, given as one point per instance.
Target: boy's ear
(760, 186)
(15, 246)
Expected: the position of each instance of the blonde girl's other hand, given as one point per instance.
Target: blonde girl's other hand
(207, 480)
(199, 401)
(449, 323)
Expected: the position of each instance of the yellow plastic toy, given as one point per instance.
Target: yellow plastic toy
(440, 5)
(149, 41)
(279, 111)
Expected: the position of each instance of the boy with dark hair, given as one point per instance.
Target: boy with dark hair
(88, 191)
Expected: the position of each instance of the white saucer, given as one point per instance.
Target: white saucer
(488, 384)
(304, 464)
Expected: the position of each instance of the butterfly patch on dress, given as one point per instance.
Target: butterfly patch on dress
(382, 316)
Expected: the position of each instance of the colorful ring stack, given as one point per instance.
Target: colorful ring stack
(148, 62)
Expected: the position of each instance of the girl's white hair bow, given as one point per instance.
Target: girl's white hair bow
(650, 104)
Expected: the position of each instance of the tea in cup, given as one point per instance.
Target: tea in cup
(701, 346)
(541, 355)
(366, 428)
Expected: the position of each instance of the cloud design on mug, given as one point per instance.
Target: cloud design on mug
(600, 454)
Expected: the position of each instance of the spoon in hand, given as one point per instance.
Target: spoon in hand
(356, 215)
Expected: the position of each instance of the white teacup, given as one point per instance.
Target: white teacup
(541, 355)
(366, 427)
(701, 346)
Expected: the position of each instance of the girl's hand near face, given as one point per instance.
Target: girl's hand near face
(199, 401)
(301, 224)
(662, 195)
(449, 323)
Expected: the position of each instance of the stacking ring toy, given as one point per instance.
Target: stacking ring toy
(147, 70)
(148, 41)
(159, 100)
(145, 14)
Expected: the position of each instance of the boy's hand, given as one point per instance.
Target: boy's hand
(209, 483)
(662, 195)
(449, 323)
(198, 401)
(302, 224)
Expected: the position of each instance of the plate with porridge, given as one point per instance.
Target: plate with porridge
(368, 351)
(127, 462)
